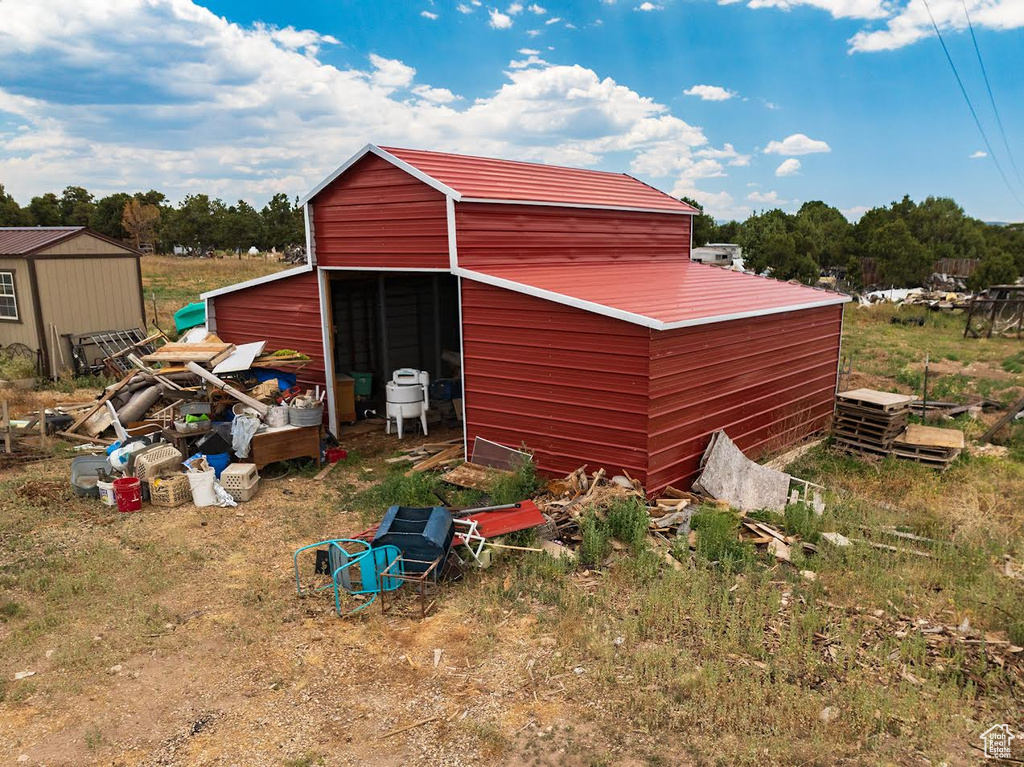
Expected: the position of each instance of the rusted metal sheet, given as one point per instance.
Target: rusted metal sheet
(377, 215)
(284, 313)
(665, 292)
(570, 385)
(490, 178)
(518, 235)
(766, 381)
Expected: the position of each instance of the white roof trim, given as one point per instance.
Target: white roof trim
(257, 281)
(633, 317)
(401, 164)
(585, 206)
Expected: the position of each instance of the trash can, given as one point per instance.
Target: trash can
(364, 384)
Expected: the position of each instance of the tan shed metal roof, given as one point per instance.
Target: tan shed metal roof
(28, 240)
(23, 240)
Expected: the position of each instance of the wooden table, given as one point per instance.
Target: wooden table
(283, 444)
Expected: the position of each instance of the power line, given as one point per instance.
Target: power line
(991, 98)
(970, 106)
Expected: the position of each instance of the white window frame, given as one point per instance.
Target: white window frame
(13, 295)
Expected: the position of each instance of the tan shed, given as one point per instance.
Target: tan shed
(58, 282)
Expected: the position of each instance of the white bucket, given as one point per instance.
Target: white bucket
(201, 483)
(106, 493)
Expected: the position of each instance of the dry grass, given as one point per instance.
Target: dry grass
(179, 281)
(176, 636)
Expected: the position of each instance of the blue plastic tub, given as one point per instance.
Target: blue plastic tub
(218, 462)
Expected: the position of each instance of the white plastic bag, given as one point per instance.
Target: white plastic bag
(242, 429)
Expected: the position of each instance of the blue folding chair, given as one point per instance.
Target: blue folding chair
(353, 567)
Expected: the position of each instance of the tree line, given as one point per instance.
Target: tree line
(903, 241)
(199, 224)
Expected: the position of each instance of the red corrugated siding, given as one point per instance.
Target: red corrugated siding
(578, 388)
(508, 234)
(284, 313)
(495, 179)
(569, 384)
(376, 215)
(766, 381)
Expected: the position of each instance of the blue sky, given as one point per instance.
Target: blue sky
(743, 104)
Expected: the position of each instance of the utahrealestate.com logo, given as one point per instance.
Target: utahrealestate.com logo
(997, 741)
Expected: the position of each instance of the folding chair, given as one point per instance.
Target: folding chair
(353, 567)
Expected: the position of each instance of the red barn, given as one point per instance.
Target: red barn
(586, 332)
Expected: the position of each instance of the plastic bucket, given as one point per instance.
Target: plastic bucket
(335, 454)
(128, 492)
(364, 384)
(107, 495)
(218, 462)
(201, 483)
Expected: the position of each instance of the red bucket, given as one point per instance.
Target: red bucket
(335, 454)
(128, 492)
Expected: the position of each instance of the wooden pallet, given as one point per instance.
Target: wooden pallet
(870, 399)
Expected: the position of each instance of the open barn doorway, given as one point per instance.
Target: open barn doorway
(382, 321)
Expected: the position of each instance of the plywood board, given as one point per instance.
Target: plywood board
(204, 354)
(241, 358)
(930, 436)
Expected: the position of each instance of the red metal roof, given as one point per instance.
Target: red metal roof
(22, 240)
(486, 178)
(658, 295)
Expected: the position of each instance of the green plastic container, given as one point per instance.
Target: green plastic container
(190, 316)
(364, 384)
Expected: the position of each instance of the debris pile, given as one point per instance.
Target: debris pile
(172, 425)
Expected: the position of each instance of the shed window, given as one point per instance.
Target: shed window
(8, 300)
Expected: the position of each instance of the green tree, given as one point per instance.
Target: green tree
(45, 210)
(11, 214)
(192, 224)
(282, 223)
(76, 206)
(107, 215)
(902, 261)
(703, 224)
(821, 233)
(243, 227)
(727, 232)
(996, 268)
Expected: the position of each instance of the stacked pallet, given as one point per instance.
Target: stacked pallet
(868, 421)
(929, 445)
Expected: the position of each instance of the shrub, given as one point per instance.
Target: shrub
(521, 484)
(596, 544)
(628, 520)
(718, 541)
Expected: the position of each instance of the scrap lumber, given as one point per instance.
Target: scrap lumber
(1015, 408)
(929, 445)
(452, 453)
(208, 353)
(245, 399)
(867, 421)
(474, 476)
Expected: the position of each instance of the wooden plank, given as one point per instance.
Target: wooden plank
(1015, 408)
(208, 353)
(245, 399)
(450, 454)
(474, 476)
(916, 435)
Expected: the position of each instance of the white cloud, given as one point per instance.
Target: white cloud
(978, 155)
(435, 95)
(647, 7)
(788, 167)
(840, 9)
(797, 144)
(265, 115)
(553, 20)
(463, 8)
(854, 213)
(727, 152)
(905, 22)
(499, 20)
(390, 73)
(529, 52)
(529, 61)
(533, 32)
(710, 92)
(766, 198)
(537, 9)
(514, 9)
(428, 15)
